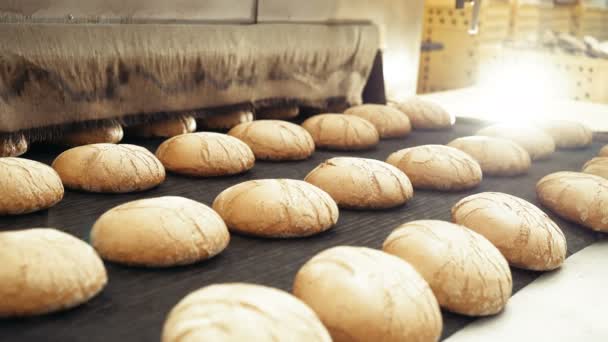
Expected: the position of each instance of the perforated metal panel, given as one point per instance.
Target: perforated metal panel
(455, 66)
(530, 20)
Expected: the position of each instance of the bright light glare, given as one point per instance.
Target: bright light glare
(517, 90)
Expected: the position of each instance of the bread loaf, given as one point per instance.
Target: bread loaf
(496, 156)
(389, 122)
(360, 183)
(597, 166)
(341, 132)
(539, 144)
(109, 168)
(165, 128)
(225, 121)
(467, 273)
(27, 186)
(14, 146)
(110, 133)
(242, 312)
(437, 167)
(205, 154)
(362, 294)
(162, 231)
(278, 113)
(568, 134)
(275, 139)
(277, 208)
(45, 270)
(525, 235)
(425, 114)
(577, 197)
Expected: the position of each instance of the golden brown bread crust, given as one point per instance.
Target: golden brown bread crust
(467, 273)
(275, 139)
(362, 294)
(225, 121)
(437, 167)
(242, 312)
(390, 122)
(276, 208)
(539, 144)
(205, 154)
(14, 146)
(278, 113)
(162, 232)
(597, 166)
(360, 183)
(568, 134)
(341, 132)
(165, 128)
(525, 235)
(27, 186)
(496, 156)
(425, 114)
(577, 197)
(109, 168)
(45, 270)
(110, 134)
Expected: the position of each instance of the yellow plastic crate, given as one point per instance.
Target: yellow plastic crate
(591, 21)
(455, 65)
(530, 20)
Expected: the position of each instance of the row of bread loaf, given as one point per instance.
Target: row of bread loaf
(436, 263)
(288, 192)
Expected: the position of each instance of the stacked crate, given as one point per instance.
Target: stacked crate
(530, 19)
(591, 19)
(456, 64)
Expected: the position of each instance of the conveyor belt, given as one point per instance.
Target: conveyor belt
(136, 301)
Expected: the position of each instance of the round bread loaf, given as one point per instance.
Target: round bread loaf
(604, 151)
(597, 166)
(360, 183)
(362, 294)
(577, 197)
(467, 273)
(496, 156)
(110, 133)
(278, 113)
(109, 168)
(205, 154)
(525, 235)
(539, 144)
(389, 122)
(13, 146)
(225, 121)
(275, 139)
(165, 128)
(437, 167)
(276, 208)
(242, 312)
(341, 132)
(568, 134)
(159, 232)
(45, 270)
(425, 114)
(27, 186)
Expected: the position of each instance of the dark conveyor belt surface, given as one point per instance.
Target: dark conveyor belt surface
(136, 301)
